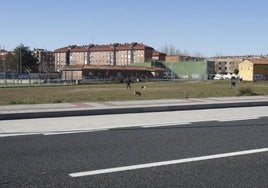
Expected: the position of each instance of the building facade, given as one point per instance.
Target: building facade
(226, 64)
(159, 56)
(112, 54)
(45, 60)
(254, 69)
(3, 54)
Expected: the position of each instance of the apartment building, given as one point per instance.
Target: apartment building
(159, 56)
(3, 53)
(62, 57)
(45, 60)
(112, 54)
(227, 64)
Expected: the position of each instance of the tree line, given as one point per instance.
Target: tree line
(20, 60)
(172, 50)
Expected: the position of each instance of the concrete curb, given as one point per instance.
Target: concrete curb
(126, 110)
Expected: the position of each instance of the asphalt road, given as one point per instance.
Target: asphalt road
(51, 160)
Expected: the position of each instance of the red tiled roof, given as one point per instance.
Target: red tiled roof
(109, 47)
(102, 48)
(141, 47)
(155, 53)
(259, 61)
(80, 49)
(124, 47)
(64, 49)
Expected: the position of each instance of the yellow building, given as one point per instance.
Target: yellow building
(254, 69)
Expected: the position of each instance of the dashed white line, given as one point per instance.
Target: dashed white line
(165, 163)
(51, 133)
(238, 119)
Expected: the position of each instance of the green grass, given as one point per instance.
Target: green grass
(245, 91)
(118, 92)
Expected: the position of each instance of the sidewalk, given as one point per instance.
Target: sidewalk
(120, 107)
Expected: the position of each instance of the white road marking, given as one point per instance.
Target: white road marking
(73, 132)
(18, 134)
(51, 133)
(164, 124)
(238, 119)
(164, 163)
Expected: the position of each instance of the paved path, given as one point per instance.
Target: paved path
(119, 107)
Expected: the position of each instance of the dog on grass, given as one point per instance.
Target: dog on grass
(137, 93)
(143, 87)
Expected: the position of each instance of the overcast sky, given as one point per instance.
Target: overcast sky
(211, 27)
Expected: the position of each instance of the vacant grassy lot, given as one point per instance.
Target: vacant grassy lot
(111, 92)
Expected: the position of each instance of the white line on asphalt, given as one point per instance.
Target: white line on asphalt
(164, 124)
(51, 133)
(238, 119)
(18, 134)
(73, 132)
(164, 163)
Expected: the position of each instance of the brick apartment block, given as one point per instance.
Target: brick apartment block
(112, 54)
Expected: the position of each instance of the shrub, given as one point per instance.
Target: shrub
(245, 91)
(58, 101)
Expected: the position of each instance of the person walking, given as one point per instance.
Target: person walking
(233, 83)
(128, 83)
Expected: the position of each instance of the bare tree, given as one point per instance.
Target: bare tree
(172, 50)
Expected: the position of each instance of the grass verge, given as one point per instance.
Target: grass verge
(118, 92)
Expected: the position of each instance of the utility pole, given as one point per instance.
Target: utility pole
(20, 68)
(5, 78)
(20, 63)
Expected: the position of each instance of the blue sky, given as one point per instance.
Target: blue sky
(210, 27)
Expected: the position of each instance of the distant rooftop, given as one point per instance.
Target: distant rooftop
(106, 47)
